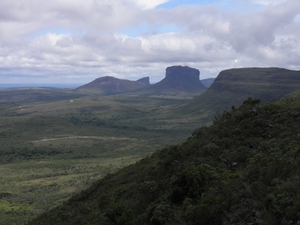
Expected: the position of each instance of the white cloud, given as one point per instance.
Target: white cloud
(146, 4)
(77, 41)
(268, 2)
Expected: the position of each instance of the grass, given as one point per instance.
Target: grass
(34, 186)
(51, 150)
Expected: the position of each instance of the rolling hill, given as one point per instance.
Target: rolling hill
(111, 85)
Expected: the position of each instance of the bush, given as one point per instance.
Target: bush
(192, 182)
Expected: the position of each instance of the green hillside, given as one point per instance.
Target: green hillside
(233, 86)
(243, 169)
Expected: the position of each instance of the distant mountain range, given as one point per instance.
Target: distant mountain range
(179, 81)
(231, 87)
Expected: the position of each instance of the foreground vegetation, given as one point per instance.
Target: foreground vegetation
(243, 169)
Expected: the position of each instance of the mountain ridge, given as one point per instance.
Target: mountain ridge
(233, 86)
(112, 85)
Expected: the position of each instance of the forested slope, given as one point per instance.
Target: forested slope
(243, 169)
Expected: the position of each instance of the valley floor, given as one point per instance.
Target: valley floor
(51, 150)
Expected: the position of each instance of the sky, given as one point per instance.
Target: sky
(77, 41)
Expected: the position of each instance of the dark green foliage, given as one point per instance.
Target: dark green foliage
(191, 183)
(161, 213)
(243, 169)
(207, 212)
(119, 215)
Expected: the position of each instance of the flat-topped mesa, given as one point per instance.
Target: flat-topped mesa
(182, 79)
(233, 86)
(183, 73)
(178, 81)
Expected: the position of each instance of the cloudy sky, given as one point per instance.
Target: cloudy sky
(76, 41)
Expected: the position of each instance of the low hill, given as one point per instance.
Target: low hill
(243, 169)
(179, 80)
(112, 85)
(232, 86)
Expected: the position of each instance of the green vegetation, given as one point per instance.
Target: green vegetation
(36, 95)
(243, 169)
(56, 143)
(51, 150)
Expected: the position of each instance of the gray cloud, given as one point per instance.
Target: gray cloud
(76, 41)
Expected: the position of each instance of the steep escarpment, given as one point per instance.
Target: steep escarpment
(179, 80)
(232, 86)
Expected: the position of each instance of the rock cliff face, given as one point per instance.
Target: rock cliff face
(264, 83)
(182, 79)
(182, 73)
(145, 80)
(112, 85)
(179, 80)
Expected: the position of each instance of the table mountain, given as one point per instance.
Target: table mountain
(179, 80)
(233, 86)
